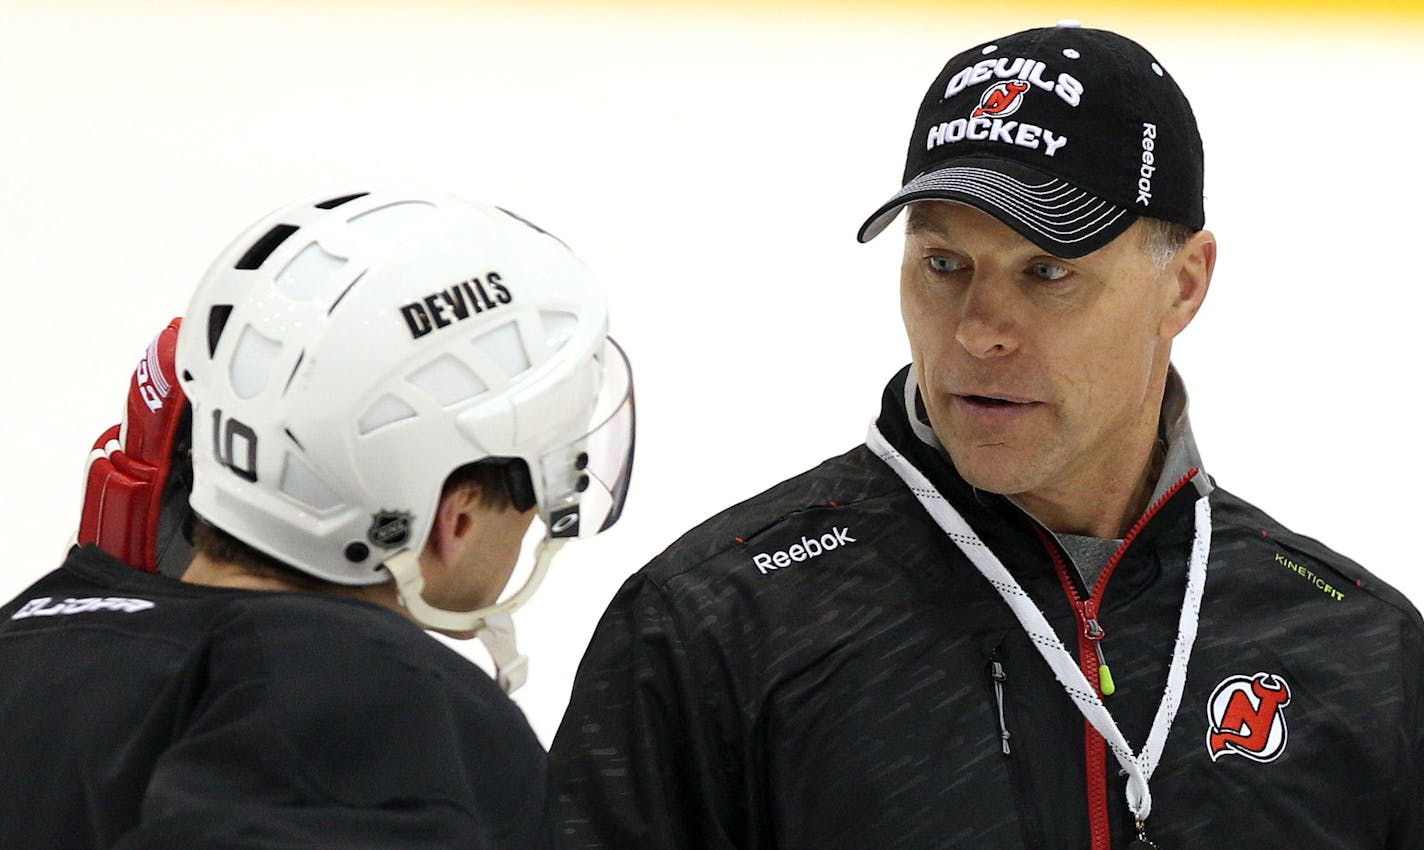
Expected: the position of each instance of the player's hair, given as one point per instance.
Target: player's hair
(497, 481)
(217, 545)
(503, 483)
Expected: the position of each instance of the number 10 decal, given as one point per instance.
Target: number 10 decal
(228, 438)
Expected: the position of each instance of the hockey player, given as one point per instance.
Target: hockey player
(1021, 615)
(386, 389)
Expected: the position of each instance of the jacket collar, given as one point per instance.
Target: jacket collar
(1176, 429)
(905, 423)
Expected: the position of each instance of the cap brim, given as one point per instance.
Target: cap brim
(1053, 214)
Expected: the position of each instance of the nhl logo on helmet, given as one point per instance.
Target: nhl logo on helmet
(390, 529)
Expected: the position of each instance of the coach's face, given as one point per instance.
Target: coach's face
(1042, 377)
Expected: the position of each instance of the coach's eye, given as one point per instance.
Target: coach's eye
(1049, 271)
(944, 265)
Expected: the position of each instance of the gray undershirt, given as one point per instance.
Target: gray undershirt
(1089, 554)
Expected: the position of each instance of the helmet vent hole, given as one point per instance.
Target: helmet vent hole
(312, 274)
(559, 328)
(252, 363)
(447, 380)
(217, 321)
(336, 202)
(387, 410)
(505, 347)
(302, 484)
(263, 248)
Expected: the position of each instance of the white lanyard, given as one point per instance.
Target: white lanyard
(1139, 767)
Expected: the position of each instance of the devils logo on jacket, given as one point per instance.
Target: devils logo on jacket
(1246, 717)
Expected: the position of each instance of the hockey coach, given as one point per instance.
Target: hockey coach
(1022, 614)
(387, 388)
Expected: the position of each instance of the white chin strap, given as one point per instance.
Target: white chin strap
(492, 624)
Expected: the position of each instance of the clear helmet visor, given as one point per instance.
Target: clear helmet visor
(586, 481)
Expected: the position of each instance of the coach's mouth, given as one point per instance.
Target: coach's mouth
(995, 399)
(995, 406)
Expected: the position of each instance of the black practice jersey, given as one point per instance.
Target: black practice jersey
(141, 712)
(822, 667)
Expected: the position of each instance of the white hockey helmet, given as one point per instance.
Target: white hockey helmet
(344, 355)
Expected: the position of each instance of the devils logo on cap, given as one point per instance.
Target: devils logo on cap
(1000, 99)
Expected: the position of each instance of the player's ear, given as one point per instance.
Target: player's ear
(1188, 279)
(455, 521)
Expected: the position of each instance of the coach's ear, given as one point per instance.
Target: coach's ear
(1188, 279)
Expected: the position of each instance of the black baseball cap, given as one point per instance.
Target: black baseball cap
(1063, 133)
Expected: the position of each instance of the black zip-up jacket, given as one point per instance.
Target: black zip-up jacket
(142, 713)
(821, 667)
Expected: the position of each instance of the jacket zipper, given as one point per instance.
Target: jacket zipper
(996, 672)
(1026, 799)
(1093, 661)
(1095, 748)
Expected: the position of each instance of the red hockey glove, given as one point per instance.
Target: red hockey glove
(138, 476)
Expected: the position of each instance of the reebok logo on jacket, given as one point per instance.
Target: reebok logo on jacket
(808, 548)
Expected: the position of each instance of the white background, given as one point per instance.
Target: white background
(713, 170)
